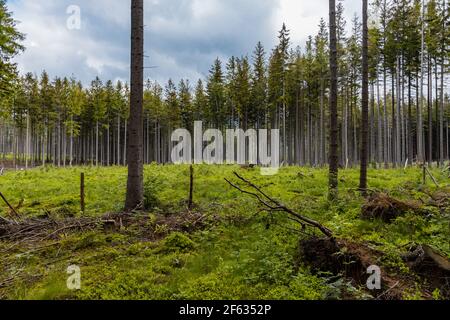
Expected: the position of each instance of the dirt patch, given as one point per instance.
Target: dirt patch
(351, 260)
(387, 208)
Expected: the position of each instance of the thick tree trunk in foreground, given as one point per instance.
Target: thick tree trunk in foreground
(334, 130)
(365, 102)
(135, 193)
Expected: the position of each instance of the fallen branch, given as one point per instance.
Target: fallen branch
(274, 205)
(4, 220)
(10, 206)
(388, 290)
(432, 178)
(427, 172)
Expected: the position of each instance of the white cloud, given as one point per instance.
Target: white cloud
(183, 37)
(303, 16)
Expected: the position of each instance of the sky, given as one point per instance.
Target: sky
(87, 38)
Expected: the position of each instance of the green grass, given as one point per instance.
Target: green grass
(244, 256)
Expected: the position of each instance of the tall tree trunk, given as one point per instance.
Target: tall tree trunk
(430, 114)
(334, 131)
(436, 87)
(118, 140)
(71, 140)
(108, 146)
(398, 127)
(409, 136)
(385, 122)
(96, 143)
(441, 116)
(135, 193)
(420, 137)
(322, 126)
(380, 125)
(125, 139)
(27, 143)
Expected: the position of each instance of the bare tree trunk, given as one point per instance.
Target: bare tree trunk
(135, 189)
(441, 112)
(28, 143)
(71, 140)
(125, 139)
(380, 126)
(58, 141)
(96, 143)
(409, 135)
(436, 87)
(385, 122)
(108, 147)
(334, 131)
(430, 114)
(345, 133)
(118, 141)
(322, 126)
(365, 102)
(398, 128)
(420, 138)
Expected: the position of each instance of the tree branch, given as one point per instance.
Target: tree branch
(274, 205)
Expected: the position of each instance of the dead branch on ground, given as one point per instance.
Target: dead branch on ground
(275, 206)
(13, 212)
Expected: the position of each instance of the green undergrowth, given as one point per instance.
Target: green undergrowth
(243, 254)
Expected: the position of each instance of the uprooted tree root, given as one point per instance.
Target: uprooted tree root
(430, 265)
(351, 260)
(439, 199)
(382, 206)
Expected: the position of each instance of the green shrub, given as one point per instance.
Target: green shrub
(177, 241)
(151, 200)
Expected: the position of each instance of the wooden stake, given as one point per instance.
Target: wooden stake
(191, 188)
(424, 174)
(82, 203)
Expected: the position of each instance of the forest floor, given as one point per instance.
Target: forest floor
(225, 247)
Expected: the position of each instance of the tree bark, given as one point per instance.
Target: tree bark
(135, 193)
(365, 103)
(334, 157)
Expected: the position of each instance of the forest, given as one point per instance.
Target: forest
(60, 122)
(363, 111)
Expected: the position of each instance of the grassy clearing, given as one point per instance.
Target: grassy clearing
(241, 255)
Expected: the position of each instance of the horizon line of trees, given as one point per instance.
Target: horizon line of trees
(60, 122)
